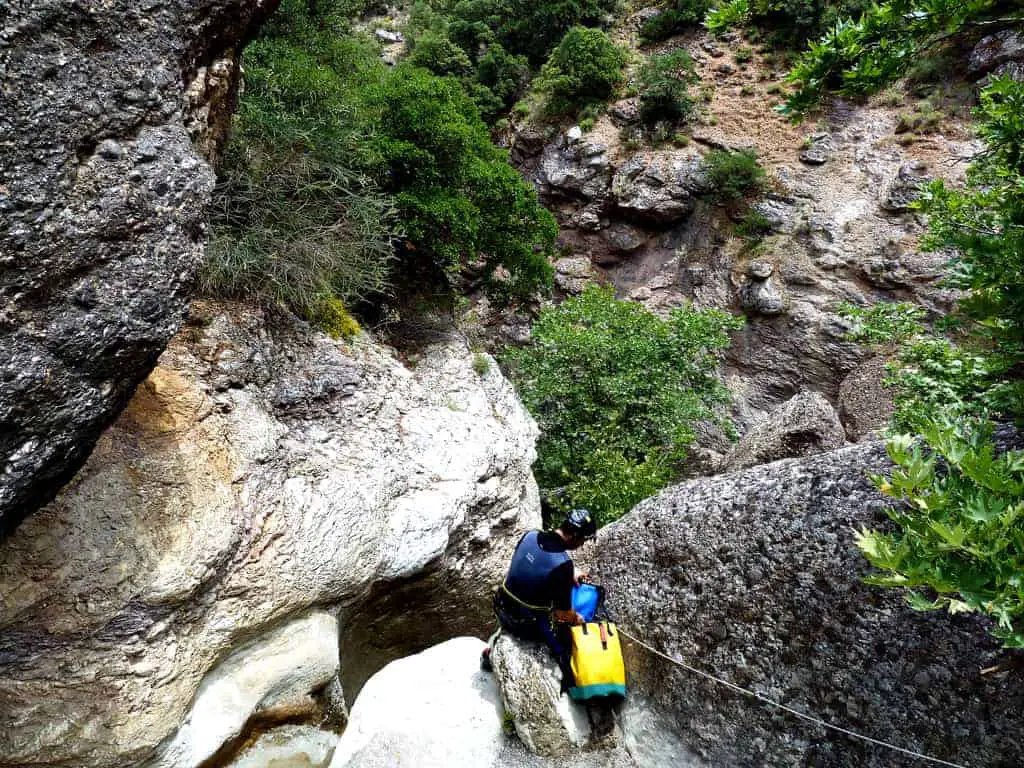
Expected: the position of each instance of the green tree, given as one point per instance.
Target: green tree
(461, 202)
(618, 392)
(584, 69)
(958, 541)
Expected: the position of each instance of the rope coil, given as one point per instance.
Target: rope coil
(803, 716)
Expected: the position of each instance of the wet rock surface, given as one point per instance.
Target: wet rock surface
(105, 111)
(754, 577)
(261, 470)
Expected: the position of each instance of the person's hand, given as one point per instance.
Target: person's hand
(583, 577)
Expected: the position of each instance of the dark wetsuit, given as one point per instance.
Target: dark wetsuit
(540, 580)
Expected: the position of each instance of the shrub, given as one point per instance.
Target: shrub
(665, 87)
(617, 392)
(584, 69)
(504, 77)
(530, 28)
(294, 220)
(791, 23)
(753, 225)
(733, 176)
(481, 365)
(674, 19)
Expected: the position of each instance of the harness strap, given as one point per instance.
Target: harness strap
(523, 603)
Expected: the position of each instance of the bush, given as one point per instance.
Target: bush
(674, 19)
(665, 87)
(434, 51)
(294, 220)
(530, 28)
(584, 69)
(503, 77)
(734, 176)
(617, 392)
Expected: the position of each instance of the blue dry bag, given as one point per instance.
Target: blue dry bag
(586, 599)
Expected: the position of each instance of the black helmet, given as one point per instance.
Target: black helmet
(580, 522)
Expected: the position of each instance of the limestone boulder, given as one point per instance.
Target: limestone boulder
(546, 720)
(278, 672)
(755, 577)
(263, 469)
(652, 192)
(108, 113)
(574, 169)
(290, 746)
(433, 710)
(802, 426)
(905, 188)
(1004, 46)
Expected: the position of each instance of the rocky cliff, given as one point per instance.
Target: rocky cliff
(754, 577)
(106, 112)
(268, 494)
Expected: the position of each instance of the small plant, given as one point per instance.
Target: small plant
(481, 364)
(331, 317)
(587, 124)
(753, 226)
(734, 176)
(521, 108)
(884, 322)
(773, 89)
(680, 139)
(707, 93)
(743, 55)
(747, 90)
(665, 87)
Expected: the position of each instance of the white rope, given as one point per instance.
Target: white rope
(783, 707)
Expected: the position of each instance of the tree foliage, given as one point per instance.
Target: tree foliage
(857, 57)
(331, 150)
(584, 69)
(460, 200)
(618, 392)
(958, 541)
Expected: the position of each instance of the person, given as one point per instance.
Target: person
(535, 600)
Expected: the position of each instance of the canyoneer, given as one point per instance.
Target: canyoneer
(535, 600)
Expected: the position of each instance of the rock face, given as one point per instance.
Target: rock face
(102, 194)
(261, 470)
(1003, 47)
(802, 426)
(433, 710)
(754, 577)
(864, 404)
(545, 719)
(290, 746)
(276, 672)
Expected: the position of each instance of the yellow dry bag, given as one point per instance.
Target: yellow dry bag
(597, 661)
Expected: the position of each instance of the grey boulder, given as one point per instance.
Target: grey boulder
(802, 426)
(107, 111)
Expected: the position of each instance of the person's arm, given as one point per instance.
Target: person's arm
(561, 583)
